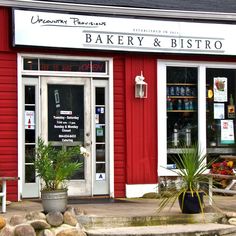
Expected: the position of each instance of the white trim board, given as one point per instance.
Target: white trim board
(138, 190)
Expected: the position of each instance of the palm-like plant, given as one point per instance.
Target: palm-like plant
(55, 166)
(191, 166)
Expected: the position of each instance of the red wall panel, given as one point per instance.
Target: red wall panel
(119, 127)
(8, 106)
(8, 120)
(5, 38)
(141, 122)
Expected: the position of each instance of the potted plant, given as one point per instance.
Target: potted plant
(55, 166)
(191, 167)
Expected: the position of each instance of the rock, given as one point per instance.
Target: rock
(70, 219)
(71, 209)
(2, 222)
(46, 232)
(40, 224)
(24, 229)
(230, 214)
(17, 220)
(7, 231)
(71, 232)
(35, 215)
(232, 221)
(79, 211)
(224, 221)
(54, 218)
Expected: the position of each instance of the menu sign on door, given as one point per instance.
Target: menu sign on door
(65, 113)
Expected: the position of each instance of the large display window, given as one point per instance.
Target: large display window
(198, 100)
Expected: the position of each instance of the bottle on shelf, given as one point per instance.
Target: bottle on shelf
(186, 104)
(169, 104)
(179, 104)
(188, 135)
(176, 135)
(172, 91)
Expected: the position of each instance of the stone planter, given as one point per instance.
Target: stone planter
(55, 200)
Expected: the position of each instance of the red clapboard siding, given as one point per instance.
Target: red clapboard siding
(8, 116)
(119, 130)
(4, 30)
(141, 121)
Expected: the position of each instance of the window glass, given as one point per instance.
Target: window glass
(182, 108)
(220, 100)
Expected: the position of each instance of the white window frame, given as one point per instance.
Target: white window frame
(162, 111)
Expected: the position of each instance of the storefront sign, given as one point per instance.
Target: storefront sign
(49, 29)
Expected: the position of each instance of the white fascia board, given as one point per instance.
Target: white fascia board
(128, 11)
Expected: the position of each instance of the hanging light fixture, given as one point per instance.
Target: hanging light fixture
(140, 86)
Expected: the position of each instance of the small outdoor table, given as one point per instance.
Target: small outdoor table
(3, 194)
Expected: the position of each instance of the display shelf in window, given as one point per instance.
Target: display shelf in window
(181, 97)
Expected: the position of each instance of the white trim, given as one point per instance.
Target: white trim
(111, 129)
(161, 103)
(108, 75)
(20, 125)
(202, 139)
(131, 11)
(138, 190)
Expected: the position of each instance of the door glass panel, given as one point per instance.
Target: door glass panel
(182, 107)
(100, 152)
(66, 118)
(100, 120)
(66, 113)
(30, 133)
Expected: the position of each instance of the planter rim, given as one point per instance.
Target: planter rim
(54, 190)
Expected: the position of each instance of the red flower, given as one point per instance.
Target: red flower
(223, 168)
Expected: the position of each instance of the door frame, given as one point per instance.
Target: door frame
(37, 74)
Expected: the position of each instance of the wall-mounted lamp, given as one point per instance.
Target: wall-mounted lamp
(140, 86)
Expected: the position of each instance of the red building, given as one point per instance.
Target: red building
(128, 82)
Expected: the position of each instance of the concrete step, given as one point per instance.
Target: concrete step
(211, 229)
(93, 222)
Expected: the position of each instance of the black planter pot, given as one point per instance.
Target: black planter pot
(190, 204)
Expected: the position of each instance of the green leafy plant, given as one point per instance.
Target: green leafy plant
(55, 166)
(191, 167)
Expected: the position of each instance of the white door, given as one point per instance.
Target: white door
(66, 121)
